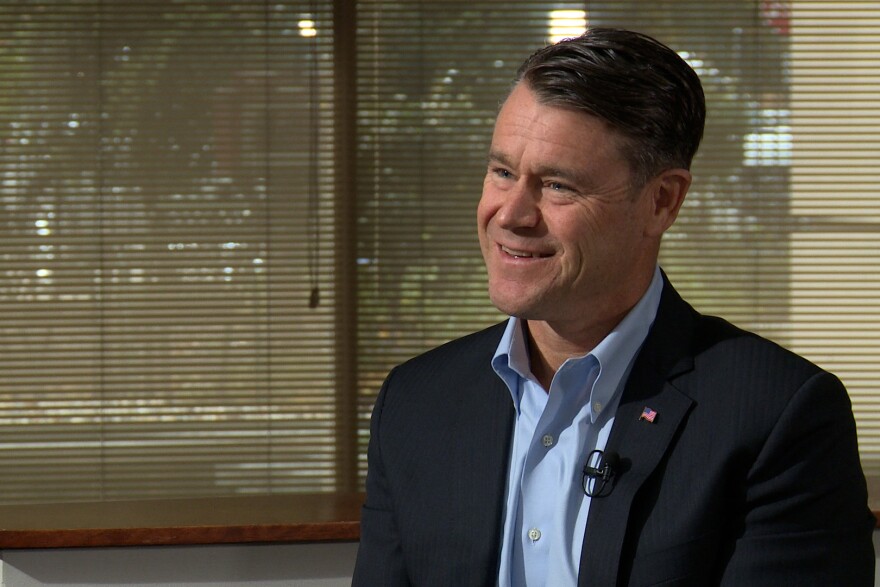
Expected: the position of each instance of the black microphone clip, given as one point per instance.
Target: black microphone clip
(598, 476)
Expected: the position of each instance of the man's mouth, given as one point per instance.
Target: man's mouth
(517, 254)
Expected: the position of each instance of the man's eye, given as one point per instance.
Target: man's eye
(558, 187)
(502, 173)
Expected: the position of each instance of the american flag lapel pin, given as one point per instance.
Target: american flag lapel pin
(648, 414)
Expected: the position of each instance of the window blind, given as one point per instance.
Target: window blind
(835, 200)
(167, 213)
(178, 208)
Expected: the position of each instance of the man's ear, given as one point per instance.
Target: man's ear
(667, 192)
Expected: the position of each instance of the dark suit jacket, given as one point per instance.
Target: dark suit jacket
(749, 475)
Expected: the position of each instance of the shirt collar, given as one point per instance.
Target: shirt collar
(511, 359)
(614, 354)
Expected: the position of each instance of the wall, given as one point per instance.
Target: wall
(265, 565)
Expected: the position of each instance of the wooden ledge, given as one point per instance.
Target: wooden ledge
(325, 517)
(216, 520)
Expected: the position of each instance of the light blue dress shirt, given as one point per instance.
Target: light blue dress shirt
(546, 509)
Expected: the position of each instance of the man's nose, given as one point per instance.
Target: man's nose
(520, 207)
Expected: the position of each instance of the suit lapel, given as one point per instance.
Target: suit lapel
(486, 420)
(479, 455)
(640, 443)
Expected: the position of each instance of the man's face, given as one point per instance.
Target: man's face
(562, 232)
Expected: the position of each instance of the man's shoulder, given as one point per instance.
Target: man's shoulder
(472, 351)
(429, 391)
(718, 341)
(735, 371)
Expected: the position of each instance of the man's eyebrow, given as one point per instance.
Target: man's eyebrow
(569, 175)
(498, 157)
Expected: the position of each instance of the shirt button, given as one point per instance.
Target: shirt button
(597, 406)
(547, 440)
(534, 534)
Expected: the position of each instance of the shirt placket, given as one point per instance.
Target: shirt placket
(537, 507)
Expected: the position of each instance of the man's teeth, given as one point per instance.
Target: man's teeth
(515, 253)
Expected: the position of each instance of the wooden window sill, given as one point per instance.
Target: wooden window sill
(217, 520)
(325, 517)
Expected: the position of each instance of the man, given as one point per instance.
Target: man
(607, 434)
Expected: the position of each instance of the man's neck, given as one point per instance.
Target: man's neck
(550, 346)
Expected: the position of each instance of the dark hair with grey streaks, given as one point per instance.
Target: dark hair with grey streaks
(636, 84)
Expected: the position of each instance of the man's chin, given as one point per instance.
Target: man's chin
(520, 307)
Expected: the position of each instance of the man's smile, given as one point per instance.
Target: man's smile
(518, 253)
